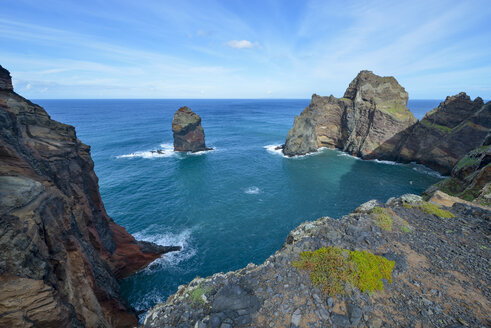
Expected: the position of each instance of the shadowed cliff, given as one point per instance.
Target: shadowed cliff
(61, 253)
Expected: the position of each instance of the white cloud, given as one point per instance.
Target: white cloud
(242, 44)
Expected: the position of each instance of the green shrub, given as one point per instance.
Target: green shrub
(196, 294)
(435, 210)
(333, 268)
(382, 218)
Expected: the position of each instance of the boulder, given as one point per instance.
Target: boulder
(188, 132)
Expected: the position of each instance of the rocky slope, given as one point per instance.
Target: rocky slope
(61, 254)
(372, 121)
(440, 275)
(188, 132)
(369, 121)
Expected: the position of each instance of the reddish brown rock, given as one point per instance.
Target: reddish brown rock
(188, 132)
(61, 254)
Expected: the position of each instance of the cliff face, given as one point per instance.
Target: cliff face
(372, 121)
(188, 132)
(447, 133)
(440, 276)
(470, 179)
(61, 254)
(369, 121)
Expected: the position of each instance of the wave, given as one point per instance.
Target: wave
(165, 150)
(167, 238)
(252, 190)
(273, 149)
(426, 170)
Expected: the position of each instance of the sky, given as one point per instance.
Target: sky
(243, 49)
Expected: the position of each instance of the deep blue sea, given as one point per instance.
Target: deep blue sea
(227, 207)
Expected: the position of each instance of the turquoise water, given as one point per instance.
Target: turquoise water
(228, 207)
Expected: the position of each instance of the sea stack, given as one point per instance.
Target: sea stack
(369, 121)
(61, 254)
(188, 132)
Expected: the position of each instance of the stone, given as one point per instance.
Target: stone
(355, 313)
(296, 317)
(189, 135)
(340, 320)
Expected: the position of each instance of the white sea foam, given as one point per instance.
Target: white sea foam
(252, 190)
(426, 170)
(273, 149)
(165, 150)
(168, 238)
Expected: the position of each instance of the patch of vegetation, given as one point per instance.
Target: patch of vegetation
(408, 206)
(397, 110)
(196, 295)
(441, 128)
(333, 268)
(450, 186)
(382, 218)
(467, 161)
(405, 229)
(345, 99)
(433, 209)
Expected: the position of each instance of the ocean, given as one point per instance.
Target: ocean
(227, 207)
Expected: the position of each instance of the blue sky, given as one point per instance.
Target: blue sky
(242, 49)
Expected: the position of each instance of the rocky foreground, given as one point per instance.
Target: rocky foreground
(440, 275)
(372, 121)
(61, 254)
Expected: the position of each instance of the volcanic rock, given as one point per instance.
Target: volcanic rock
(369, 121)
(61, 254)
(188, 132)
(448, 132)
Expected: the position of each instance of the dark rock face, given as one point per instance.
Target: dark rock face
(5, 80)
(440, 278)
(372, 121)
(470, 178)
(369, 121)
(61, 254)
(188, 132)
(448, 132)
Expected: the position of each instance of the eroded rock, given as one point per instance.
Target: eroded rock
(188, 132)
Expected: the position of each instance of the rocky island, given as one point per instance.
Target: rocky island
(372, 121)
(61, 254)
(188, 132)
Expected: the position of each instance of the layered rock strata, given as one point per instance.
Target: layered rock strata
(372, 121)
(61, 254)
(470, 179)
(440, 278)
(445, 134)
(369, 121)
(188, 132)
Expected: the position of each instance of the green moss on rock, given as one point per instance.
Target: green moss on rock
(333, 268)
(433, 209)
(382, 218)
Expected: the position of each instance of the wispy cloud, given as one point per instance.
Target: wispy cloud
(189, 49)
(242, 44)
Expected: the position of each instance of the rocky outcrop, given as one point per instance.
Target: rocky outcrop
(61, 254)
(440, 276)
(5, 80)
(369, 121)
(188, 132)
(447, 133)
(373, 122)
(470, 178)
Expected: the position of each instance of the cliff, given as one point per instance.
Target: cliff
(369, 121)
(372, 121)
(405, 263)
(470, 179)
(188, 132)
(61, 253)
